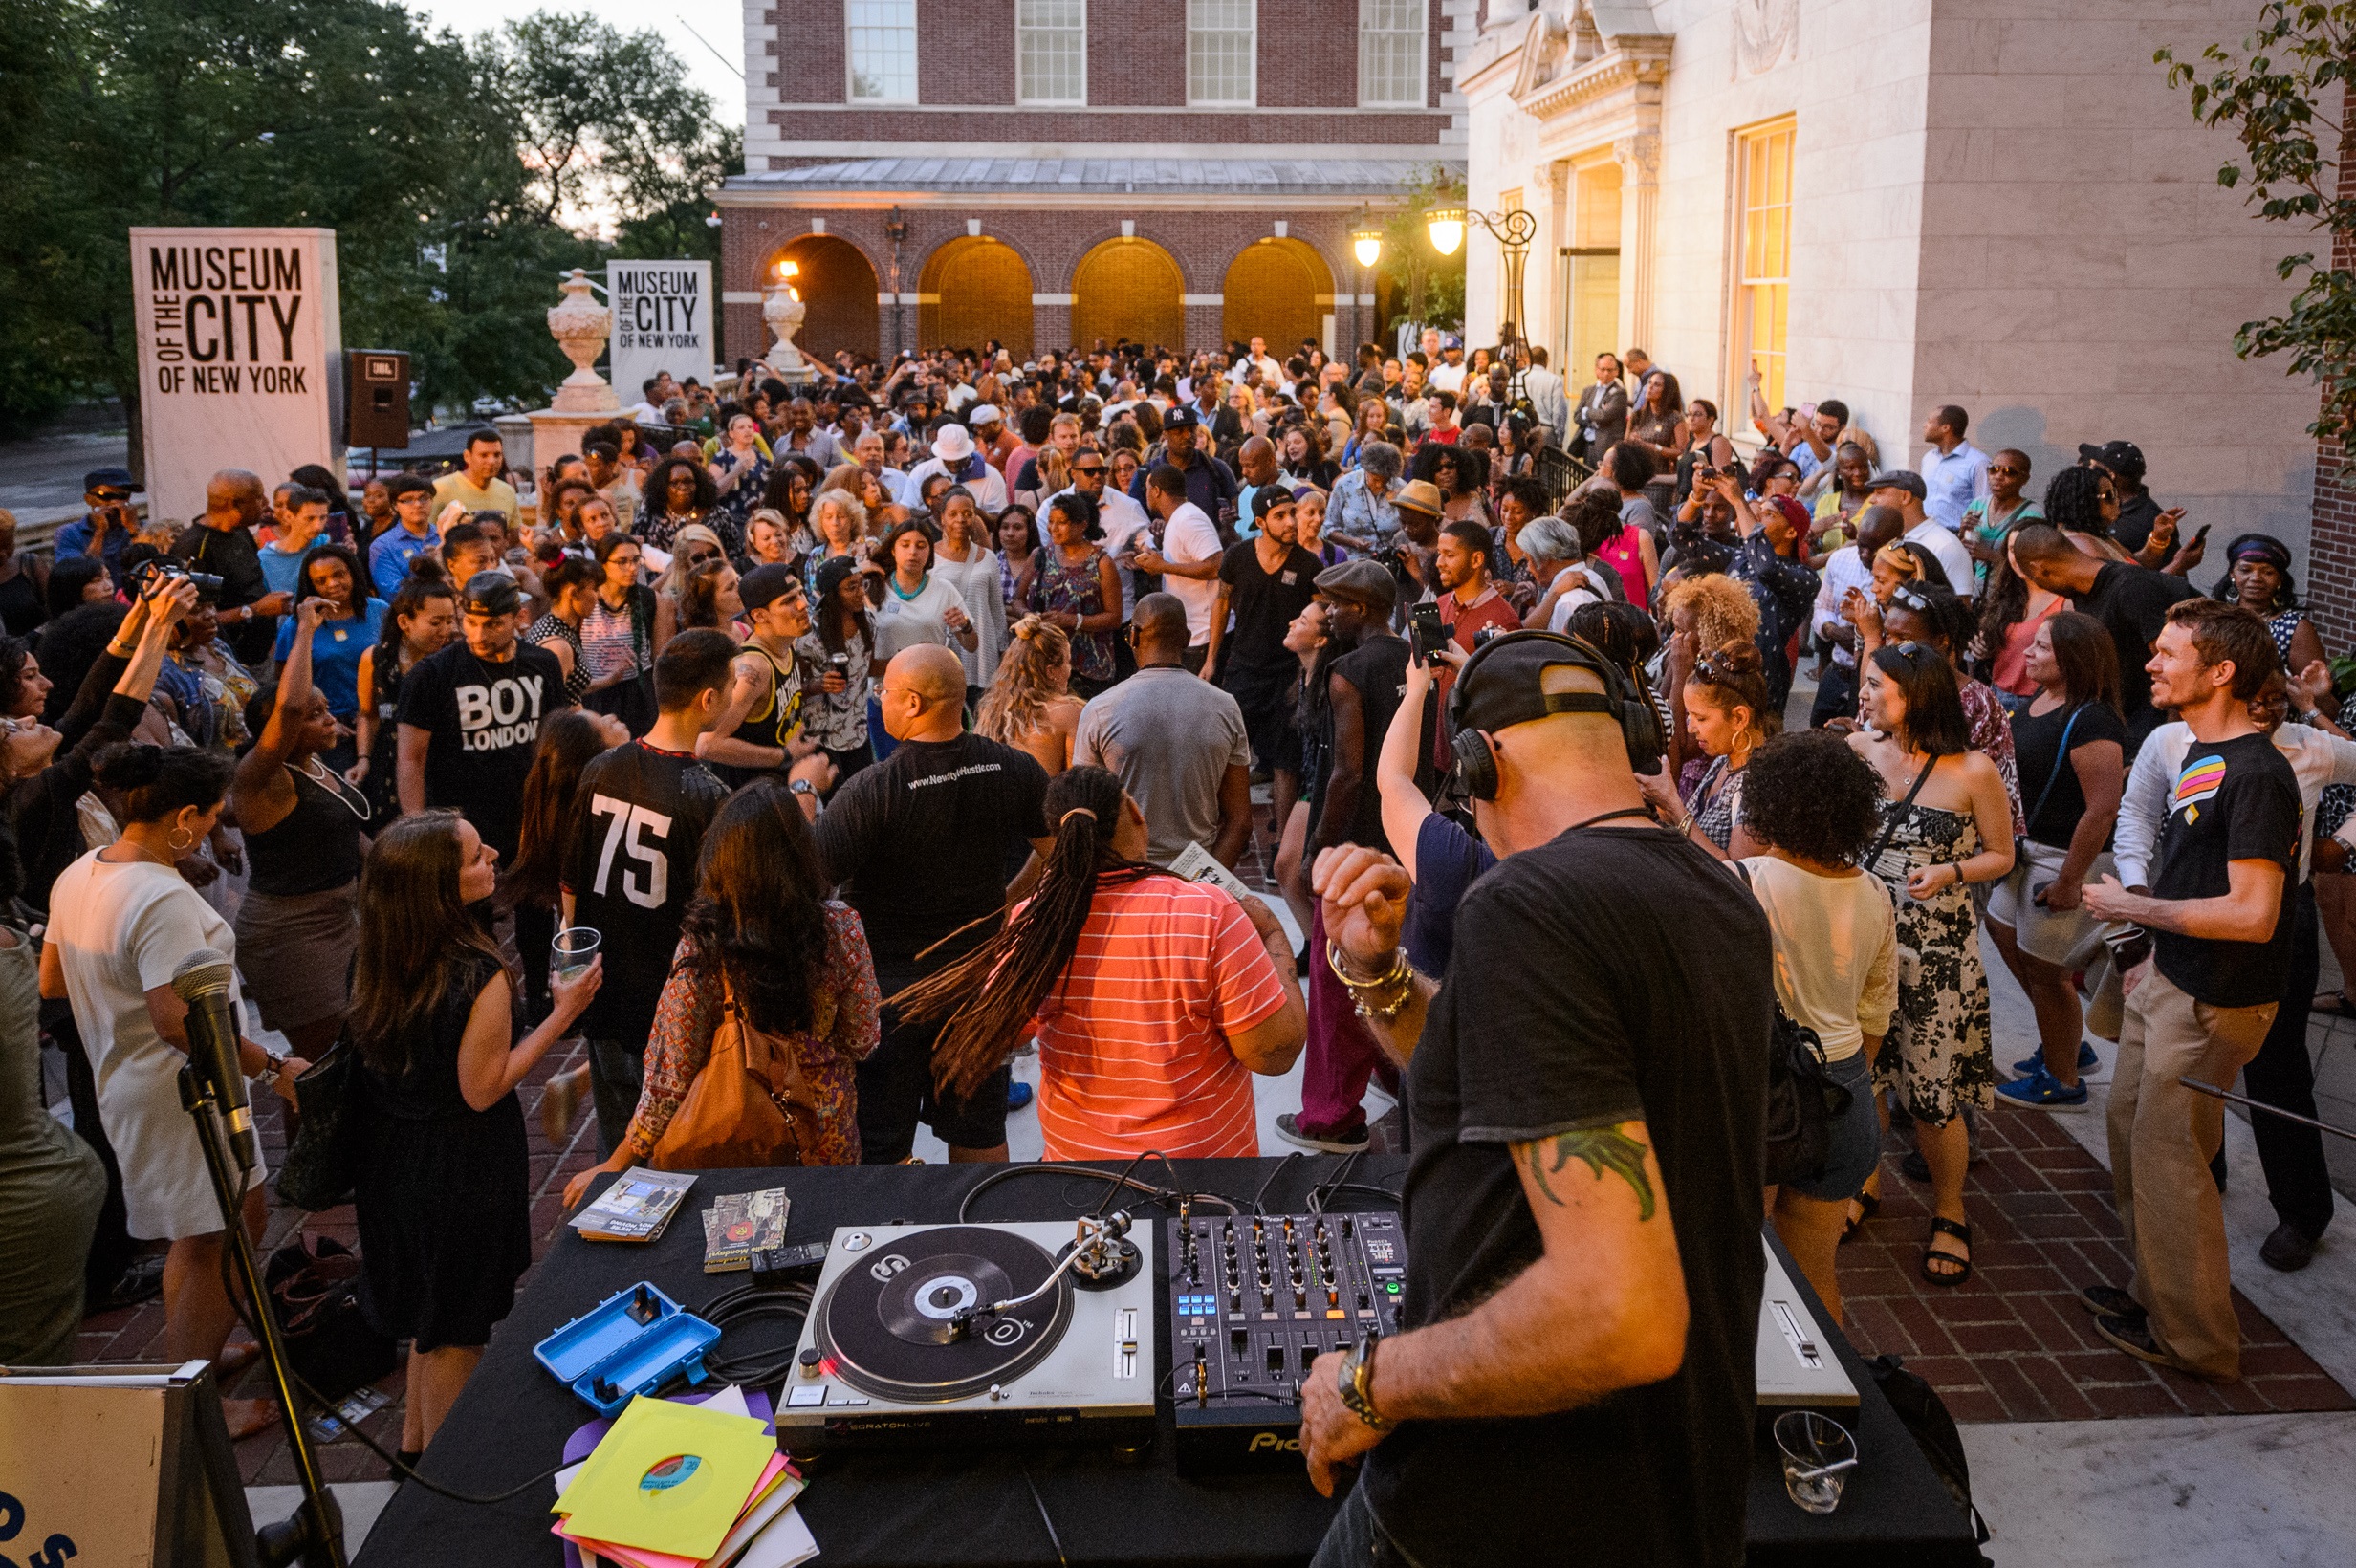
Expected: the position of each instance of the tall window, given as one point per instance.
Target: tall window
(883, 50)
(1221, 47)
(1763, 264)
(1588, 322)
(1051, 51)
(1390, 54)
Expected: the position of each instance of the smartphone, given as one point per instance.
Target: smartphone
(2200, 535)
(1425, 628)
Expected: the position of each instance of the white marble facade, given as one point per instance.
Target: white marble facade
(1994, 203)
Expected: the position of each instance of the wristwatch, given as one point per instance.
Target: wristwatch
(801, 786)
(276, 1069)
(1357, 1380)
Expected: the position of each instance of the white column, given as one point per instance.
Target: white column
(1638, 158)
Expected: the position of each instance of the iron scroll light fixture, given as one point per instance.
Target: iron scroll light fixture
(1514, 230)
(1366, 248)
(896, 231)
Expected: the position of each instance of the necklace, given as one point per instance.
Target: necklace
(351, 800)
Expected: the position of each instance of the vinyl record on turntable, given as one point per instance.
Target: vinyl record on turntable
(889, 1324)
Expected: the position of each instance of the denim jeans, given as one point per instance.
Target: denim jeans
(1356, 1540)
(617, 1072)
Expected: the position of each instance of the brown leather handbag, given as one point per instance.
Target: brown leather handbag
(749, 1108)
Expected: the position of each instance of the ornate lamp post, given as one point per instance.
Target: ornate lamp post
(581, 325)
(1367, 245)
(896, 231)
(1514, 230)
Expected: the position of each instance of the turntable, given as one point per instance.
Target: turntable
(1027, 1331)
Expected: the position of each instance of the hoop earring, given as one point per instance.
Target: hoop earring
(174, 841)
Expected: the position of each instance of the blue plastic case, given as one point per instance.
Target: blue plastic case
(632, 1342)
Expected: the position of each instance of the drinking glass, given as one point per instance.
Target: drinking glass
(1818, 1456)
(574, 950)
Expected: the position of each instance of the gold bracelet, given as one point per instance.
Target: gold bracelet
(1380, 999)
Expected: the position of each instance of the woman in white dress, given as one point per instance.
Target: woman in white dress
(122, 919)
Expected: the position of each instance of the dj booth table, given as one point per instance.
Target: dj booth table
(953, 1509)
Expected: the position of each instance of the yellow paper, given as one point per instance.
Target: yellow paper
(625, 1495)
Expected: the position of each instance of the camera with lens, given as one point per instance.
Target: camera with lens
(1394, 558)
(169, 569)
(1485, 636)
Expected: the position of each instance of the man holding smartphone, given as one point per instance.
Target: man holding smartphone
(109, 524)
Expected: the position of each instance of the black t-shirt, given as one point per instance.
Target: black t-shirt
(1378, 668)
(638, 830)
(2134, 529)
(920, 843)
(2131, 602)
(232, 556)
(1265, 603)
(485, 720)
(1610, 975)
(2037, 748)
(2233, 800)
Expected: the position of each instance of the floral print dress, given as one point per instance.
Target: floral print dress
(846, 1008)
(1938, 1056)
(1061, 586)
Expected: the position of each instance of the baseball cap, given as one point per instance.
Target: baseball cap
(1267, 499)
(1419, 495)
(831, 575)
(1504, 684)
(492, 593)
(1361, 582)
(983, 413)
(120, 479)
(1181, 417)
(767, 583)
(1905, 479)
(2123, 458)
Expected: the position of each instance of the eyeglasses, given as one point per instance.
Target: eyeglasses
(1089, 469)
(2007, 468)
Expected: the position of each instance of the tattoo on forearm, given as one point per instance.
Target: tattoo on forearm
(1601, 1148)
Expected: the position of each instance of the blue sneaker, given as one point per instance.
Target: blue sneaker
(2040, 1091)
(2031, 1066)
(1018, 1095)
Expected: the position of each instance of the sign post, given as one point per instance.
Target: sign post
(662, 321)
(240, 362)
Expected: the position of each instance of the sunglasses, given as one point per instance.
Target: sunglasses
(1912, 597)
(2007, 468)
(1090, 469)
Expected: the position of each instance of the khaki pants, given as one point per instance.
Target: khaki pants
(2162, 1138)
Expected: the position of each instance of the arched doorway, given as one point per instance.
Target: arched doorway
(1280, 290)
(974, 289)
(1128, 288)
(839, 291)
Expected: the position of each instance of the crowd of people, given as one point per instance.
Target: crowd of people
(879, 716)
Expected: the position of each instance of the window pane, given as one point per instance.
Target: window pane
(1050, 56)
(1220, 47)
(1391, 52)
(1762, 293)
(882, 44)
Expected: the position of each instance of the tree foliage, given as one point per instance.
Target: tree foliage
(461, 178)
(2278, 94)
(1430, 286)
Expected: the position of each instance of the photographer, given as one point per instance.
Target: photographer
(1583, 1265)
(109, 524)
(221, 544)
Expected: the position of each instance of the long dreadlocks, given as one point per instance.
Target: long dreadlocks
(989, 994)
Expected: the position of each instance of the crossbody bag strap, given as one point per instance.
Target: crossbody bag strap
(1889, 829)
(2060, 760)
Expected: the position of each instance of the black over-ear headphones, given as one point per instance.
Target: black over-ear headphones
(1476, 765)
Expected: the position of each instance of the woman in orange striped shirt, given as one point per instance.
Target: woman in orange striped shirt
(1154, 999)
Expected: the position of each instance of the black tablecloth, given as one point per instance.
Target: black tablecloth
(949, 1509)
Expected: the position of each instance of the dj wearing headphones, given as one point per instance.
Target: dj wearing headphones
(1585, 1088)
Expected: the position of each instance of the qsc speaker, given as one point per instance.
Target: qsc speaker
(375, 392)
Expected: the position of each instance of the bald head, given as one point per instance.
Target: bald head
(1258, 460)
(932, 671)
(1161, 622)
(233, 498)
(1878, 526)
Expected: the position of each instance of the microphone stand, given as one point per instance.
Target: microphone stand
(314, 1533)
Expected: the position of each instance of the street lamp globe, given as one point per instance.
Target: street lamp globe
(1366, 244)
(1445, 227)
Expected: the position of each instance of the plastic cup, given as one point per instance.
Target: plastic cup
(573, 951)
(1818, 1456)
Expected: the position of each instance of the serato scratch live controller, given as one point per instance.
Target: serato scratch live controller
(1255, 1300)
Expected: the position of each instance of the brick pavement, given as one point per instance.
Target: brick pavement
(2015, 1345)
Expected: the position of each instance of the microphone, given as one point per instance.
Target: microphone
(203, 982)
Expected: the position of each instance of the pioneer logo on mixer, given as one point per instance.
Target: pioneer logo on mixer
(1271, 1442)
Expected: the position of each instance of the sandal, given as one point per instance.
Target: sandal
(1958, 1269)
(2337, 1004)
(1868, 1205)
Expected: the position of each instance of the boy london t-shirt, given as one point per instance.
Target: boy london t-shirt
(485, 719)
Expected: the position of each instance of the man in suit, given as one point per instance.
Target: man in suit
(1602, 414)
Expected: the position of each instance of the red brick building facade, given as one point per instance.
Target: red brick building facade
(1048, 172)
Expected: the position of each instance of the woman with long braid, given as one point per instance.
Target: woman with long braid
(1154, 998)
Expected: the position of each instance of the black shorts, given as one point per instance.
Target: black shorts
(896, 1092)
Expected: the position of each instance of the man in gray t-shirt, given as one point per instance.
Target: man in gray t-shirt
(1175, 741)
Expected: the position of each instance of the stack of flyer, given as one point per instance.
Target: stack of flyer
(694, 1482)
(635, 1207)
